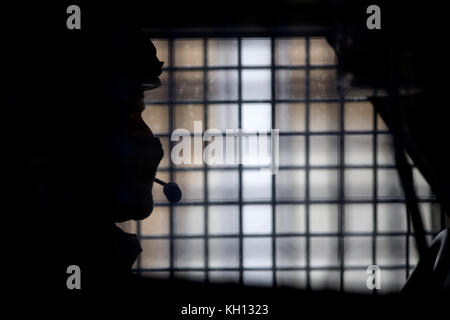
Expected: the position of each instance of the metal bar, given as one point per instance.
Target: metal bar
(266, 67)
(285, 167)
(171, 172)
(241, 220)
(226, 101)
(281, 168)
(307, 165)
(290, 133)
(268, 202)
(341, 180)
(375, 187)
(403, 167)
(285, 235)
(273, 177)
(322, 268)
(205, 165)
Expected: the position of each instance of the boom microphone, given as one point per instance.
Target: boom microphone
(171, 190)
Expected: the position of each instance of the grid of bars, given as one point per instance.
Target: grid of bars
(313, 232)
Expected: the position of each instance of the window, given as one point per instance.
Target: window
(334, 208)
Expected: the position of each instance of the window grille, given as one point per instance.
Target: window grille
(334, 208)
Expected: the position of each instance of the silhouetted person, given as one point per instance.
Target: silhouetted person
(86, 158)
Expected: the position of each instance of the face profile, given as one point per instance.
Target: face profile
(136, 151)
(139, 153)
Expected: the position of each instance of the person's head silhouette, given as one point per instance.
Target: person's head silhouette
(91, 157)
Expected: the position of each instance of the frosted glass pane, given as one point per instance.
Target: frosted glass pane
(386, 153)
(189, 253)
(129, 226)
(324, 184)
(391, 217)
(257, 219)
(431, 216)
(256, 116)
(191, 185)
(156, 117)
(189, 220)
(290, 84)
(324, 150)
(390, 251)
(157, 223)
(256, 85)
(161, 93)
(186, 114)
(223, 185)
(324, 251)
(256, 185)
(421, 185)
(358, 149)
(257, 252)
(165, 160)
(358, 218)
(292, 150)
(155, 253)
(413, 253)
(290, 184)
(321, 53)
(291, 251)
(381, 125)
(389, 184)
(357, 251)
(223, 85)
(224, 276)
(258, 278)
(162, 50)
(295, 279)
(155, 274)
(358, 183)
(392, 280)
(358, 116)
(290, 51)
(324, 117)
(223, 253)
(198, 276)
(157, 190)
(323, 218)
(188, 52)
(290, 116)
(323, 84)
(222, 52)
(255, 52)
(223, 219)
(223, 116)
(188, 85)
(325, 280)
(355, 281)
(290, 218)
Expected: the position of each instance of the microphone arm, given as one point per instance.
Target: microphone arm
(171, 190)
